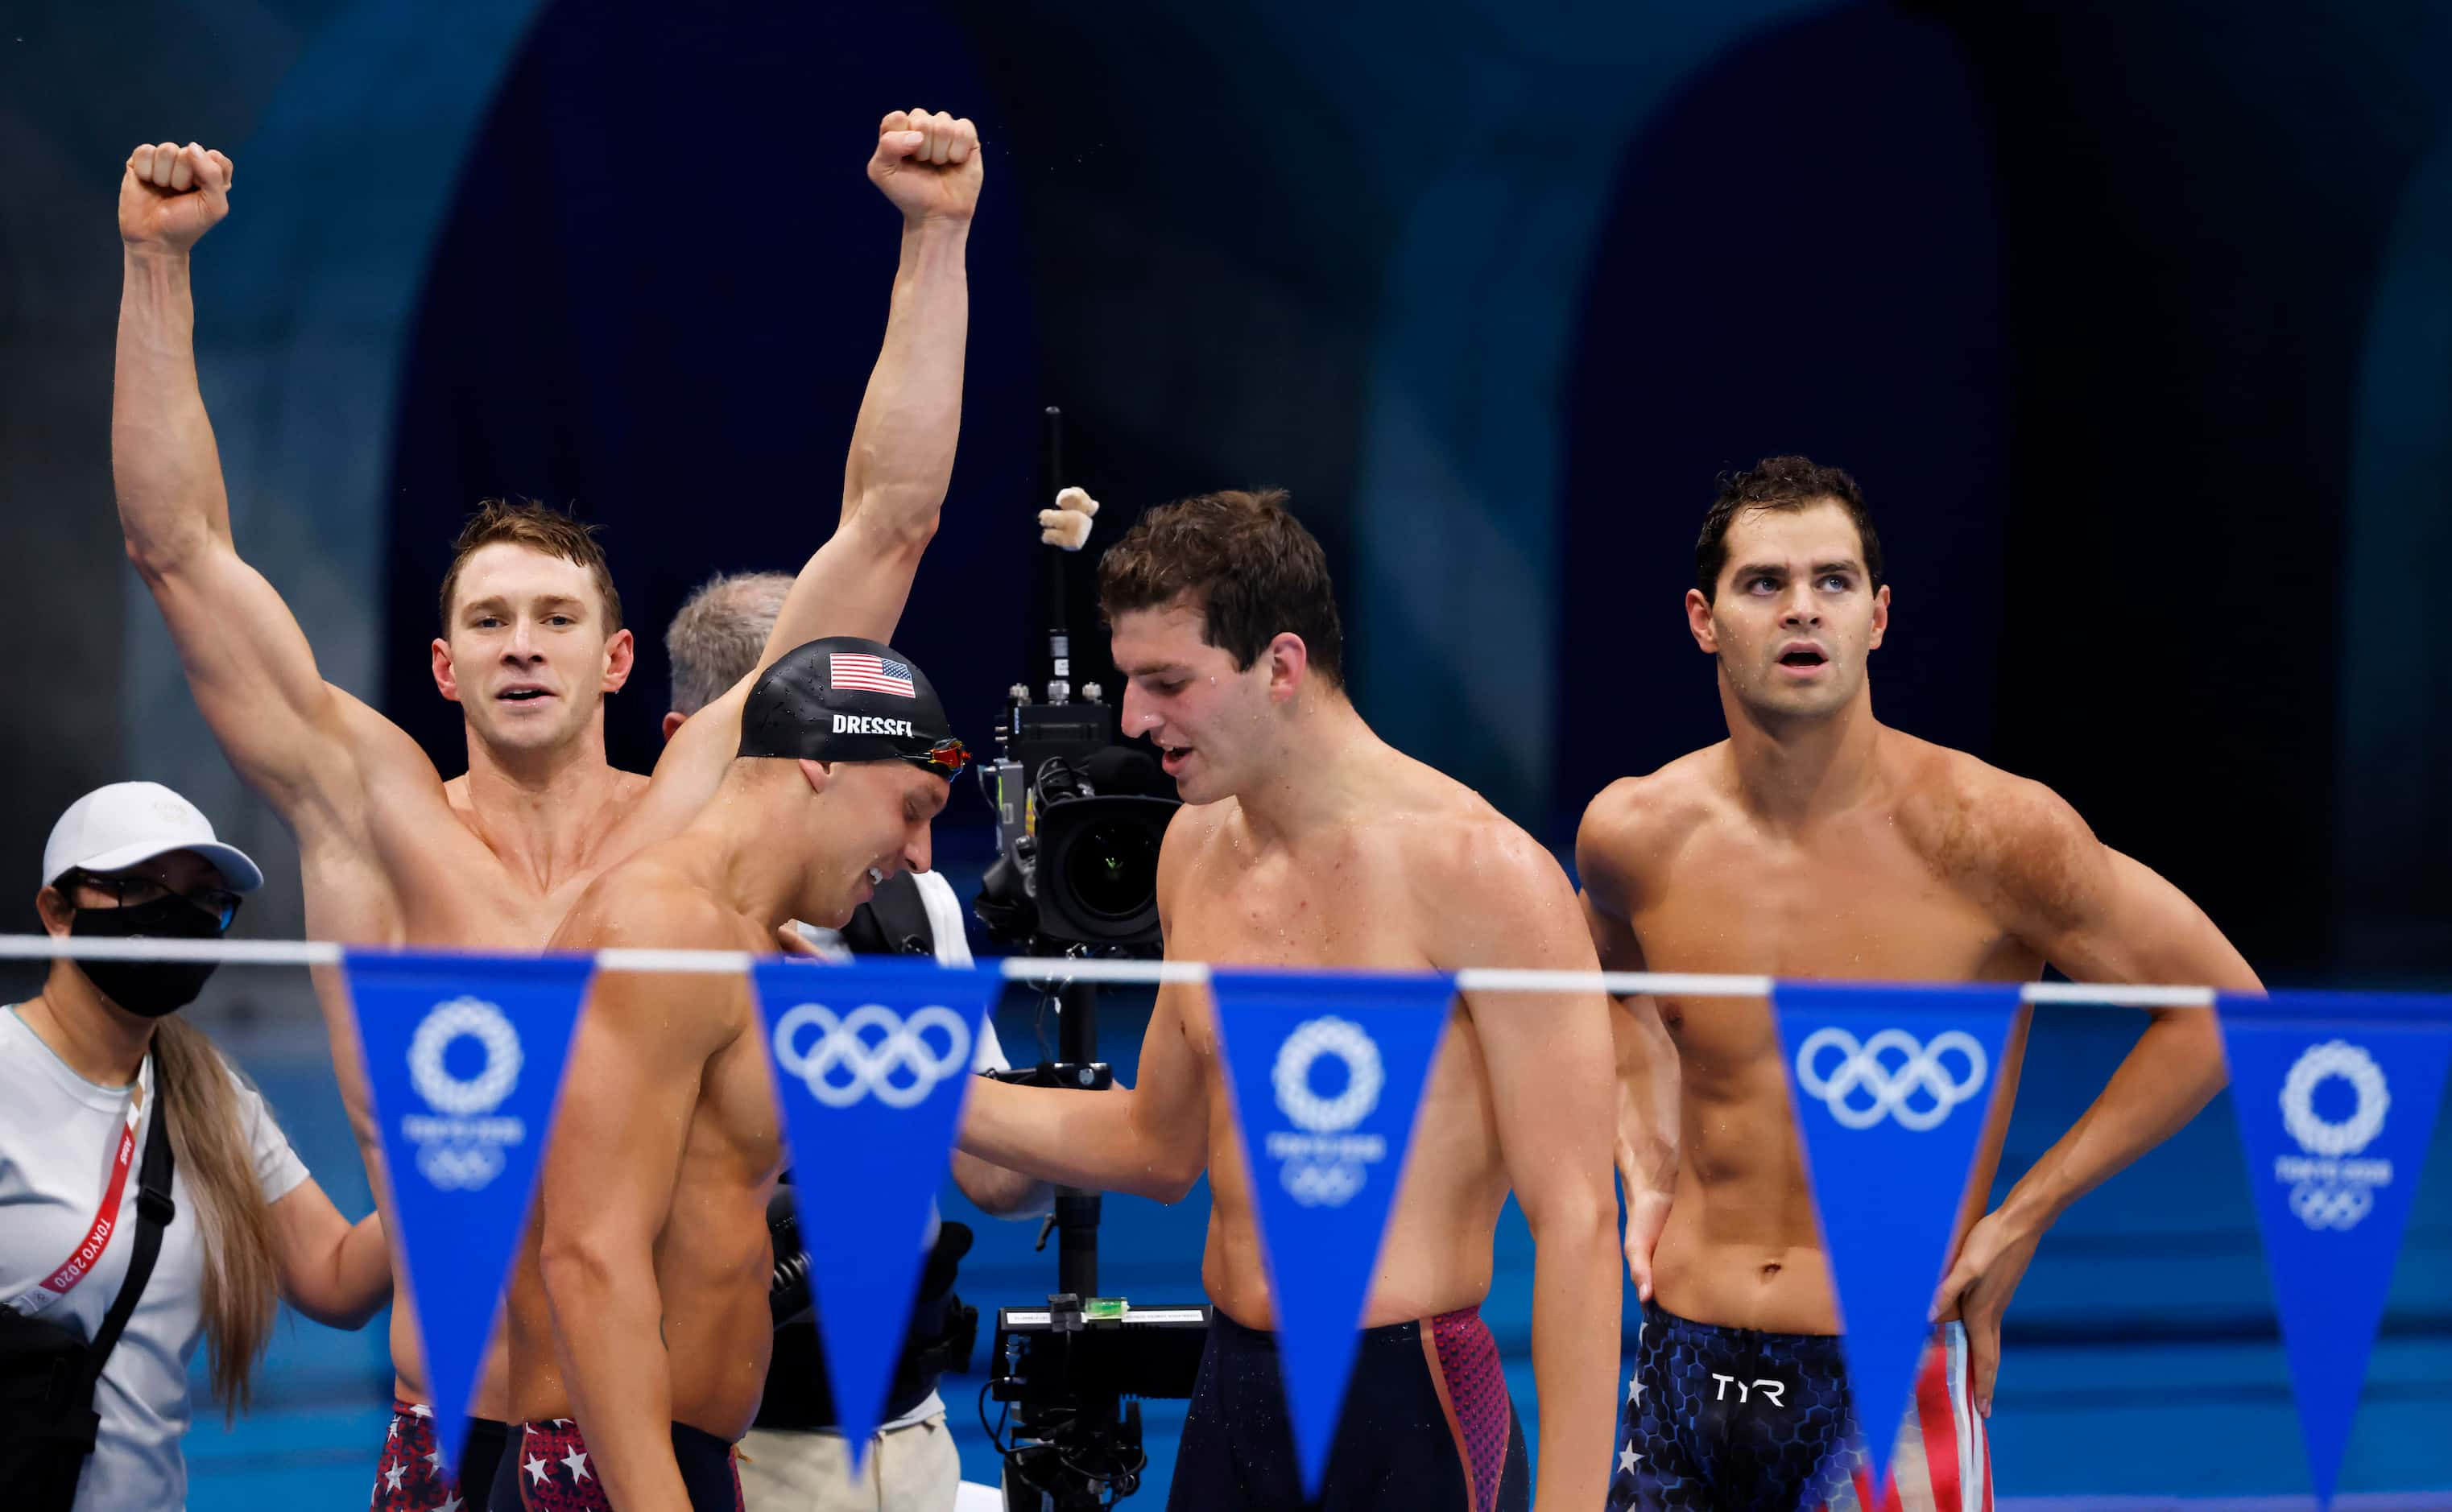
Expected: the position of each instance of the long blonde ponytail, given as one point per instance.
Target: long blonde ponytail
(241, 1292)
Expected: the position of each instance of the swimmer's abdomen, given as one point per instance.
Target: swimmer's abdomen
(712, 1269)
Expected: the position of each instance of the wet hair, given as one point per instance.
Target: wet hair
(1244, 561)
(539, 527)
(1787, 484)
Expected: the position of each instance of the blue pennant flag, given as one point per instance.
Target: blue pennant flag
(1891, 1087)
(465, 1056)
(2336, 1094)
(872, 1061)
(1326, 1071)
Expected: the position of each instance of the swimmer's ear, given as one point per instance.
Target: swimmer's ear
(1880, 615)
(445, 681)
(819, 774)
(1289, 664)
(621, 653)
(1698, 621)
(673, 721)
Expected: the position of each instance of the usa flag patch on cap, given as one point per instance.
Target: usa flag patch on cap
(857, 669)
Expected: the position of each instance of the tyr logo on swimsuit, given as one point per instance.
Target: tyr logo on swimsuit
(2328, 1188)
(1893, 1088)
(459, 1147)
(1326, 1165)
(1774, 1391)
(873, 1052)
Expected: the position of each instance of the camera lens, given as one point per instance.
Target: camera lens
(1111, 870)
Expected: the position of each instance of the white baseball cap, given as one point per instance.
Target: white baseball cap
(128, 822)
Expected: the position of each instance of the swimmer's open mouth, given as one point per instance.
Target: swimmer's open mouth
(1171, 757)
(524, 695)
(1802, 656)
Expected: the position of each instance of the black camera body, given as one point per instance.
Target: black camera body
(1081, 818)
(1079, 822)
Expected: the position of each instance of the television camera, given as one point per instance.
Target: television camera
(1079, 816)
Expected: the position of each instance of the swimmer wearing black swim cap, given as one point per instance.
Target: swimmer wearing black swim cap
(849, 699)
(844, 757)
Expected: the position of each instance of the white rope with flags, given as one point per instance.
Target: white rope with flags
(1043, 969)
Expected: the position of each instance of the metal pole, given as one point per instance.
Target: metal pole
(1077, 1211)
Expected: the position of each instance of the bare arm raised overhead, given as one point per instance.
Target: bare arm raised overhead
(901, 447)
(253, 675)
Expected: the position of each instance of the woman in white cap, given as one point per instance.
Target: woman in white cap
(92, 1258)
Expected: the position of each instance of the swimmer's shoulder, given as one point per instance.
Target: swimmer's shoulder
(1191, 832)
(1457, 850)
(1633, 829)
(2006, 840)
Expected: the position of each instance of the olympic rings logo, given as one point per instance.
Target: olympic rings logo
(460, 1168)
(1291, 1076)
(2318, 1205)
(2317, 1134)
(1322, 1184)
(483, 1093)
(845, 1046)
(1860, 1068)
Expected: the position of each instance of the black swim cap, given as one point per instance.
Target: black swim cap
(847, 699)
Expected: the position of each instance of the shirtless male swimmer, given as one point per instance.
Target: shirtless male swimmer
(532, 642)
(639, 1322)
(1815, 842)
(1308, 841)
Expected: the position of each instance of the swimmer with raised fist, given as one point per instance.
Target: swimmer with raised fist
(531, 641)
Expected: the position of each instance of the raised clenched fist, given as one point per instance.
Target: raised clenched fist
(171, 195)
(928, 165)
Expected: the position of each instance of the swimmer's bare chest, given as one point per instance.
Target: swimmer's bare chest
(423, 876)
(1850, 901)
(1346, 906)
(1859, 900)
(1330, 906)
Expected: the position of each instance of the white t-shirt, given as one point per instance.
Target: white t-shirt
(58, 1135)
(953, 948)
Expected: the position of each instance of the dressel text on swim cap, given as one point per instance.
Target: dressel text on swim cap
(873, 724)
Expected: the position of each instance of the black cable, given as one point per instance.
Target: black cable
(994, 1433)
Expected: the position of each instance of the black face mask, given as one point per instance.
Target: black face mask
(148, 988)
